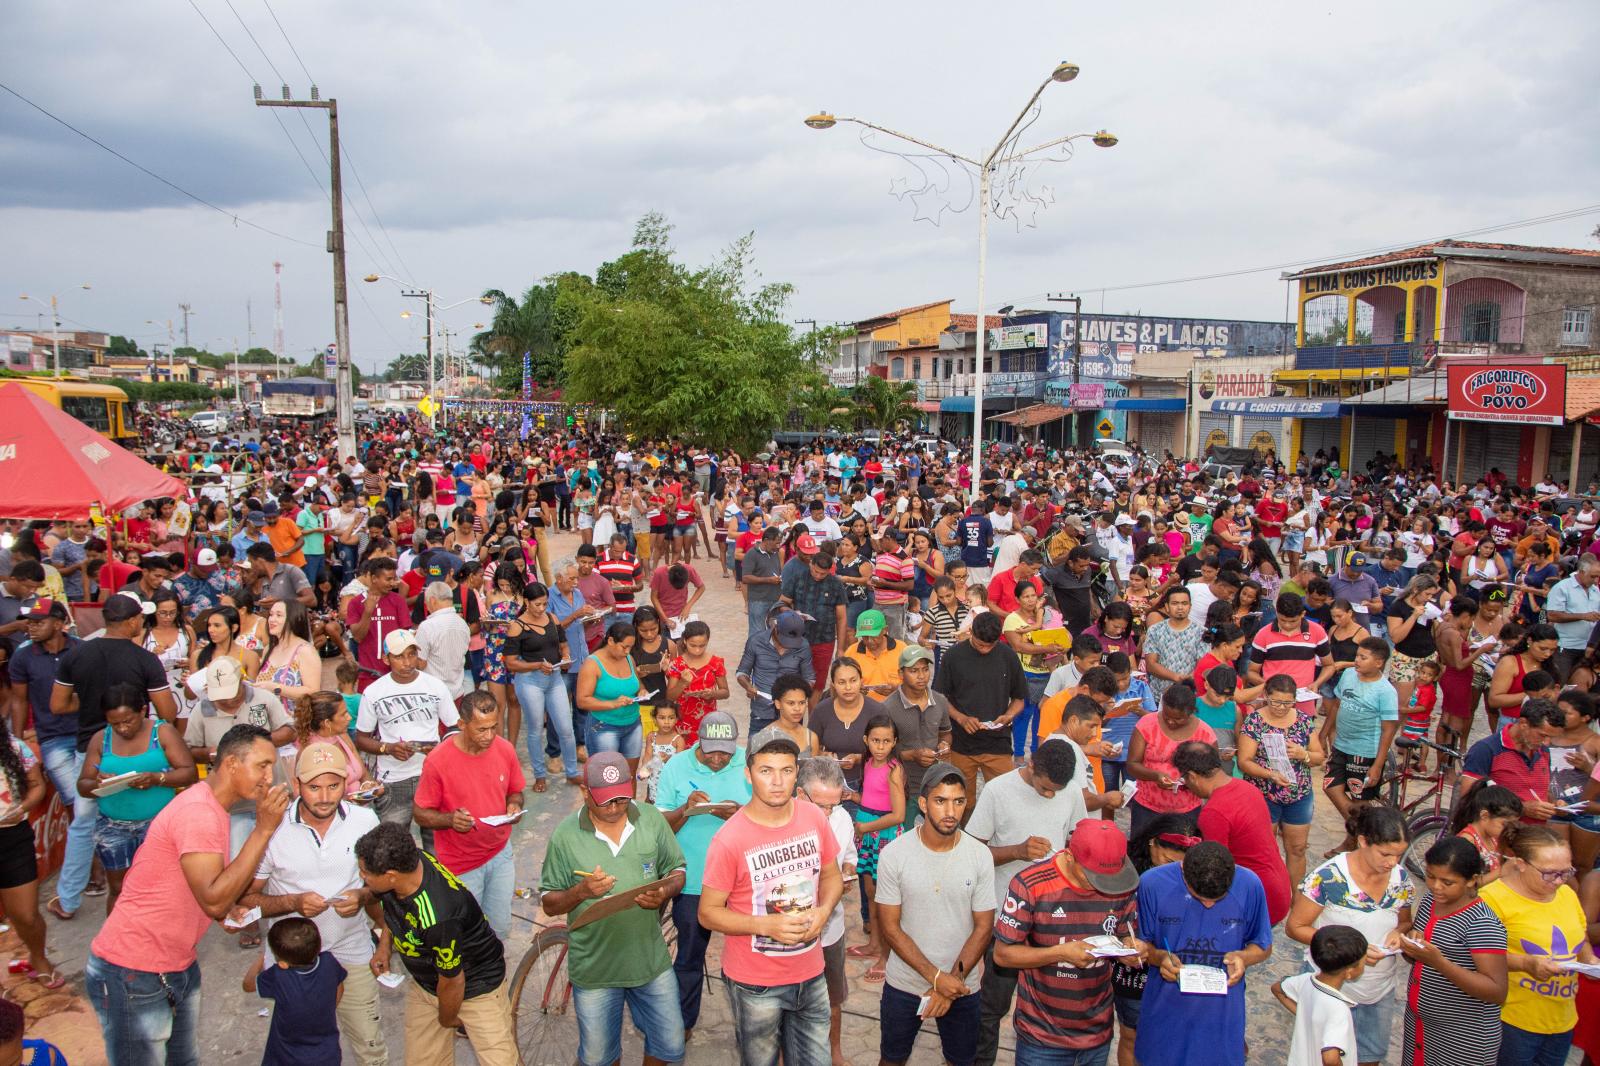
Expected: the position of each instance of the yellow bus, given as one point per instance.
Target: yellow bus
(103, 408)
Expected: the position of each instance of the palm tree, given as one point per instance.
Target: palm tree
(884, 404)
(822, 406)
(536, 324)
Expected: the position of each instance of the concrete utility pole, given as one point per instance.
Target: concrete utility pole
(344, 387)
(186, 309)
(1080, 439)
(426, 296)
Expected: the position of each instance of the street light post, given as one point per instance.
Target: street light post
(55, 318)
(344, 381)
(986, 168)
(426, 295)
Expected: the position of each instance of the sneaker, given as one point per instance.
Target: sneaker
(95, 888)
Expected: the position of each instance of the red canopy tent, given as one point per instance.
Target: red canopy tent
(53, 466)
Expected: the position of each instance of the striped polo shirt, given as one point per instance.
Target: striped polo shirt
(1297, 654)
(1059, 1005)
(1496, 757)
(892, 566)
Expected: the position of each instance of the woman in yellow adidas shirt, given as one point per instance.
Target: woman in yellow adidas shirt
(1545, 927)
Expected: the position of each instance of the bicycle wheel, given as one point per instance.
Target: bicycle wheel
(1426, 831)
(541, 1003)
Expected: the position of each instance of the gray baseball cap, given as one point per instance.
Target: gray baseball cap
(719, 733)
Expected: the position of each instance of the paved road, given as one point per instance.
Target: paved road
(231, 1028)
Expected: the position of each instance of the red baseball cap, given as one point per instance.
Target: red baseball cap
(806, 544)
(1101, 849)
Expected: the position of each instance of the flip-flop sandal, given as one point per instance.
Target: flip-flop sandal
(874, 975)
(249, 940)
(55, 908)
(861, 951)
(53, 980)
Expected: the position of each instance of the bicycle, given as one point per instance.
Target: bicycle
(1432, 823)
(541, 993)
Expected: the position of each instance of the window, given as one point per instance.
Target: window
(1575, 325)
(1399, 327)
(897, 367)
(916, 368)
(1480, 323)
(90, 410)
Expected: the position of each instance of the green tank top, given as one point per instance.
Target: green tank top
(607, 687)
(135, 804)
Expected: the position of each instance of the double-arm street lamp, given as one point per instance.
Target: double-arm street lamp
(55, 317)
(1003, 155)
(426, 296)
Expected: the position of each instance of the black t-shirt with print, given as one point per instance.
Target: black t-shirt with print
(440, 930)
(93, 666)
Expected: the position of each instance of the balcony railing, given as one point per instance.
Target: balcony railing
(1006, 383)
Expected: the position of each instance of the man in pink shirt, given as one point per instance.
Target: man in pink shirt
(771, 881)
(142, 975)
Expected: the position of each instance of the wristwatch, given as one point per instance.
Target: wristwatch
(383, 749)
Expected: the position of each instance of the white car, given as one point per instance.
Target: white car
(208, 422)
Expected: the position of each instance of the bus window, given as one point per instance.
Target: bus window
(90, 410)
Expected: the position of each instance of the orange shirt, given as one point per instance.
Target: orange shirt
(282, 534)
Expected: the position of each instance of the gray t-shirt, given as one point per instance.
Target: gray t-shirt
(1009, 811)
(285, 584)
(918, 728)
(760, 563)
(937, 893)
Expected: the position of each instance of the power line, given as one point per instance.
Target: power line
(237, 219)
(295, 51)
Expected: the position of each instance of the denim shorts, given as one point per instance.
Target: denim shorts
(115, 842)
(900, 1023)
(1589, 823)
(626, 739)
(1127, 1008)
(655, 1012)
(1374, 1022)
(1296, 813)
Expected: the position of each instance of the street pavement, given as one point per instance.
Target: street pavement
(234, 1026)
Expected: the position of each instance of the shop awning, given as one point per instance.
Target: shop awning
(1145, 403)
(1037, 415)
(1283, 408)
(1425, 390)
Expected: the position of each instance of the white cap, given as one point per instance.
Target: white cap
(397, 642)
(206, 557)
(223, 677)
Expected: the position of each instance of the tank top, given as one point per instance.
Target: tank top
(1515, 711)
(134, 804)
(609, 687)
(875, 786)
(655, 685)
(534, 645)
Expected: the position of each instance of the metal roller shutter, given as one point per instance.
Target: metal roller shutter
(1272, 427)
(1320, 434)
(1215, 429)
(1159, 432)
(1369, 437)
(1561, 456)
(1490, 446)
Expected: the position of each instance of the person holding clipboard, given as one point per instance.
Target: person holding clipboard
(621, 861)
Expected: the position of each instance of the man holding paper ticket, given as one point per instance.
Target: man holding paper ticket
(472, 777)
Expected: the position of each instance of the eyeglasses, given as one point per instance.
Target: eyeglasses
(1282, 704)
(1553, 877)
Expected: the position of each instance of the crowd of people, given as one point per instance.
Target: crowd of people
(1057, 731)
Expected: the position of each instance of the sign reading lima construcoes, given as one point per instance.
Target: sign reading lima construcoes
(1531, 395)
(1369, 277)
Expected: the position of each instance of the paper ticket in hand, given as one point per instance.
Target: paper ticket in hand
(251, 915)
(1106, 946)
(991, 725)
(1588, 969)
(391, 980)
(1130, 788)
(1202, 980)
(1306, 695)
(500, 819)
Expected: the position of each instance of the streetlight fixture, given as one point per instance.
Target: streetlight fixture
(1000, 156)
(426, 295)
(55, 317)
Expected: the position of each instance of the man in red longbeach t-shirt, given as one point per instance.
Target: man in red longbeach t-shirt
(771, 881)
(471, 776)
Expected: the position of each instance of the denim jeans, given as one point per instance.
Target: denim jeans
(148, 1019)
(313, 568)
(1518, 1047)
(654, 1007)
(757, 611)
(347, 554)
(1025, 727)
(792, 1019)
(689, 965)
(626, 739)
(62, 761)
(1032, 1054)
(542, 694)
(397, 805)
(491, 885)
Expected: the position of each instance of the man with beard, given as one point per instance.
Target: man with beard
(936, 902)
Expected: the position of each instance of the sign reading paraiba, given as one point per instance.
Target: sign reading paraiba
(1531, 395)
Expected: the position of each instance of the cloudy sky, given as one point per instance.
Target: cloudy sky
(498, 142)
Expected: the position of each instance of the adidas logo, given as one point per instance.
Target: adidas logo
(1058, 913)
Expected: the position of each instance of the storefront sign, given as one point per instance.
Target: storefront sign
(1532, 395)
(1217, 438)
(1369, 277)
(1282, 408)
(1234, 385)
(1008, 338)
(1087, 396)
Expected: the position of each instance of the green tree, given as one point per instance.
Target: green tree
(1335, 334)
(125, 346)
(538, 323)
(884, 404)
(820, 405)
(702, 352)
(411, 366)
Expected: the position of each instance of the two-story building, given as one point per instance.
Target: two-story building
(1375, 338)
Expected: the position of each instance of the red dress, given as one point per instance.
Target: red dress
(691, 708)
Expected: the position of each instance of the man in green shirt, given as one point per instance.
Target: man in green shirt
(609, 846)
(312, 524)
